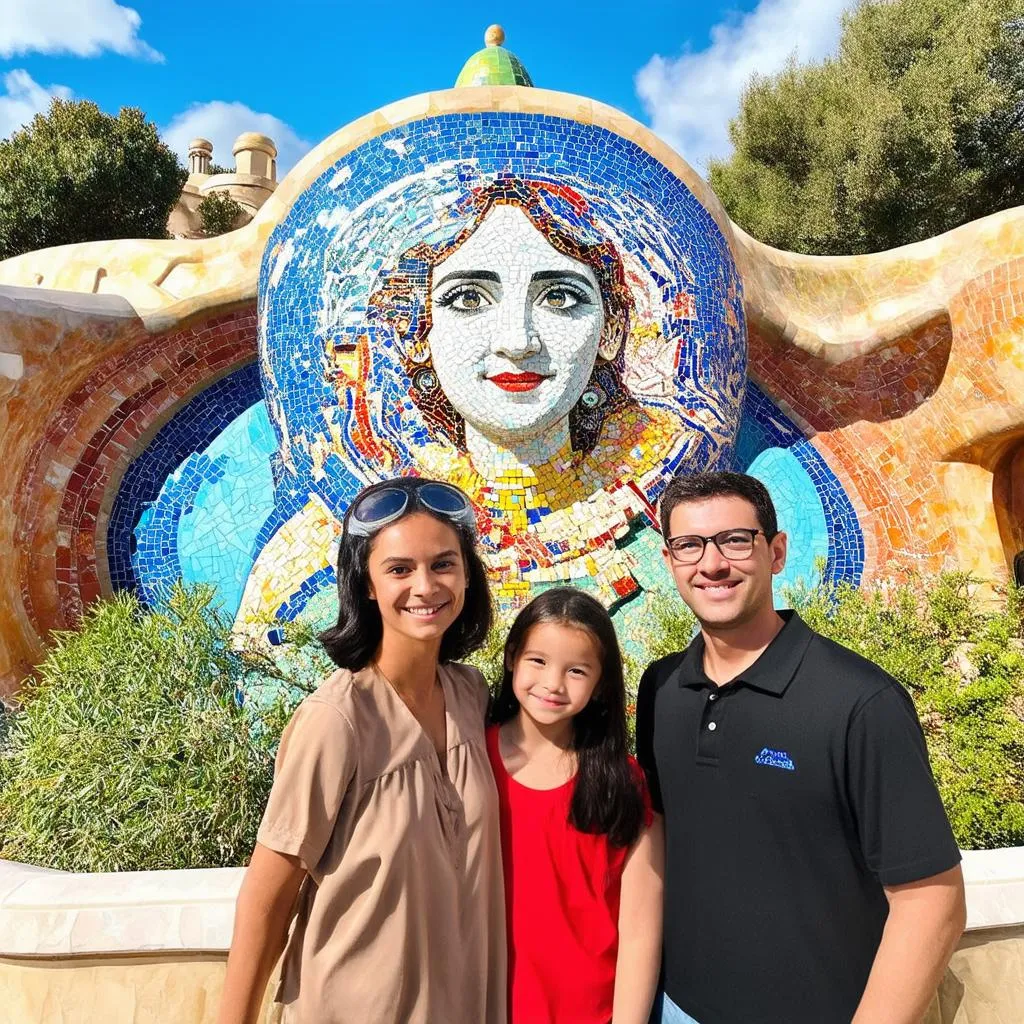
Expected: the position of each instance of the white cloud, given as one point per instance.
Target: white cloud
(23, 98)
(85, 28)
(691, 98)
(222, 123)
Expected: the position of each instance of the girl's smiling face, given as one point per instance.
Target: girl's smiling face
(556, 671)
(417, 577)
(516, 327)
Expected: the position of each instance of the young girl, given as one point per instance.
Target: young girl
(383, 817)
(582, 850)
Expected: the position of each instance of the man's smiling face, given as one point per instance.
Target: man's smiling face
(724, 593)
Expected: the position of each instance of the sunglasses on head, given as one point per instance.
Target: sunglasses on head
(375, 510)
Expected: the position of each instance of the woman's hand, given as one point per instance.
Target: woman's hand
(264, 908)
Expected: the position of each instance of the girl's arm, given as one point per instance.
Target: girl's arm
(262, 913)
(640, 911)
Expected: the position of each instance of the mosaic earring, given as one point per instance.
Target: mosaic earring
(425, 381)
(593, 398)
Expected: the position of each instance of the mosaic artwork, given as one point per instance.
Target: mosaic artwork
(531, 307)
(527, 293)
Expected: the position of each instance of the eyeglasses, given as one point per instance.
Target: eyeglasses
(734, 544)
(373, 511)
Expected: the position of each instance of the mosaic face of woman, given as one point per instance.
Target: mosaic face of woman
(516, 327)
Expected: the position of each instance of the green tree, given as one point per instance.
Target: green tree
(915, 127)
(219, 213)
(76, 174)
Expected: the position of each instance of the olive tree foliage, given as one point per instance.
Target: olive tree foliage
(915, 127)
(219, 213)
(75, 174)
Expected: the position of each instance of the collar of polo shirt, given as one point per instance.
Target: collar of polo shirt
(774, 669)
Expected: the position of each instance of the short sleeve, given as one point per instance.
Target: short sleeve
(903, 829)
(645, 736)
(315, 764)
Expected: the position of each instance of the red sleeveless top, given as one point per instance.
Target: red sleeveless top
(562, 891)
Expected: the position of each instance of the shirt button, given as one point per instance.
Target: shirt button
(712, 726)
(713, 696)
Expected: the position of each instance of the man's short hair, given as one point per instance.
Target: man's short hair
(702, 486)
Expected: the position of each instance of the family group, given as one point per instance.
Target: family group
(776, 853)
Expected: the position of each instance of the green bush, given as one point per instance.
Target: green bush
(963, 662)
(133, 751)
(219, 213)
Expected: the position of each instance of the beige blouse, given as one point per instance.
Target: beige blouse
(402, 917)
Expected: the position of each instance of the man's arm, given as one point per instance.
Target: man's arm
(926, 920)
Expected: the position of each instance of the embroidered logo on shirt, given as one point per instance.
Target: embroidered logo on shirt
(775, 759)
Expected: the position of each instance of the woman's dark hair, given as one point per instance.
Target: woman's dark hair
(354, 641)
(607, 797)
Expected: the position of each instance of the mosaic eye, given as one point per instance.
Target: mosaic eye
(465, 298)
(561, 297)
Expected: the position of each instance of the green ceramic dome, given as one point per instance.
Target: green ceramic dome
(493, 65)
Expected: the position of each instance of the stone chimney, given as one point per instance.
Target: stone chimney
(200, 152)
(255, 154)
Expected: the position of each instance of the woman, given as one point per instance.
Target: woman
(549, 350)
(383, 816)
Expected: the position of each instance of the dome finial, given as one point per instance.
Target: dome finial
(493, 65)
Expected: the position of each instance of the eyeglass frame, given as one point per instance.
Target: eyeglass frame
(410, 487)
(714, 539)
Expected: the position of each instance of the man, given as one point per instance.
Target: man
(811, 876)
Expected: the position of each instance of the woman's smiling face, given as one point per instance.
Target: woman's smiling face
(515, 328)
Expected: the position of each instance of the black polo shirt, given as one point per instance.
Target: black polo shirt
(791, 795)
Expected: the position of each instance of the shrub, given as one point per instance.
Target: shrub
(219, 213)
(134, 749)
(963, 663)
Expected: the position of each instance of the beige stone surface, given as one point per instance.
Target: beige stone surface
(58, 913)
(182, 989)
(842, 307)
(984, 985)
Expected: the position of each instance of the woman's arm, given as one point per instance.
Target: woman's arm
(262, 913)
(640, 910)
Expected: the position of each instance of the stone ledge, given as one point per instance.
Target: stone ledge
(46, 913)
(995, 887)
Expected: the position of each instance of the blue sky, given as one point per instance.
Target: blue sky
(300, 69)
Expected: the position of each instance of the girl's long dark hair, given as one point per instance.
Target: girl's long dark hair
(354, 641)
(607, 797)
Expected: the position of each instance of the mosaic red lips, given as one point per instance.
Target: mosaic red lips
(517, 381)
